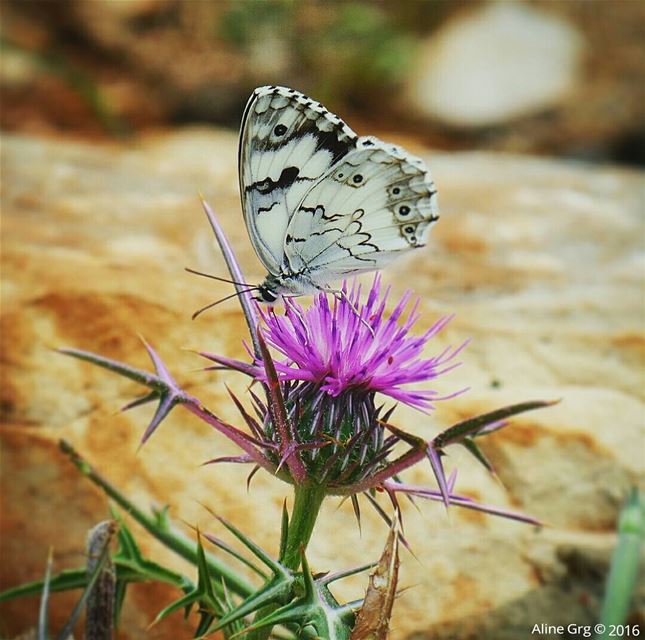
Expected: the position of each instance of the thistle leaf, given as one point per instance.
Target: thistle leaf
(315, 610)
(284, 531)
(210, 606)
(475, 426)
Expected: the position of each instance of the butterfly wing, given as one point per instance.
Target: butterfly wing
(374, 204)
(287, 142)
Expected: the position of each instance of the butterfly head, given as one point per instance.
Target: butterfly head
(269, 291)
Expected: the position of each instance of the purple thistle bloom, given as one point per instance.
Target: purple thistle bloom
(357, 347)
(336, 358)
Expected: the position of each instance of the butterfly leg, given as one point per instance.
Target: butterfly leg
(295, 308)
(340, 294)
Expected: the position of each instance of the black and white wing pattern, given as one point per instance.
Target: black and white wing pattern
(375, 203)
(287, 142)
(321, 203)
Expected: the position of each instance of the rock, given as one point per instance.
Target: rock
(496, 63)
(540, 260)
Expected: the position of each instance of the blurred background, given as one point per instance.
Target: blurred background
(545, 77)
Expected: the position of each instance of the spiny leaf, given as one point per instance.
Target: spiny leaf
(203, 593)
(220, 544)
(131, 566)
(473, 448)
(256, 550)
(473, 426)
(277, 590)
(313, 609)
(158, 526)
(284, 531)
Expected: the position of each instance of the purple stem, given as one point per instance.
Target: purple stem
(246, 300)
(279, 417)
(459, 501)
(240, 438)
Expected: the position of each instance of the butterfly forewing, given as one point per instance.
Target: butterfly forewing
(287, 142)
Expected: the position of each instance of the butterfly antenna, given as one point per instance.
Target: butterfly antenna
(214, 304)
(208, 275)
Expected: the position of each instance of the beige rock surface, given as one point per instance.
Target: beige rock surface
(541, 261)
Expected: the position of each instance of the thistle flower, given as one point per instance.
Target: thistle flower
(354, 347)
(336, 357)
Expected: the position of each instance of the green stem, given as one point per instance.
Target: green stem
(157, 525)
(307, 501)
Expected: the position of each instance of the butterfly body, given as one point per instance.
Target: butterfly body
(320, 202)
(286, 284)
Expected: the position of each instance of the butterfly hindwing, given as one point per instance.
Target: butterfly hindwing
(376, 202)
(287, 142)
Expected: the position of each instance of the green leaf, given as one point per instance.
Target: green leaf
(473, 448)
(210, 606)
(311, 610)
(158, 525)
(128, 556)
(277, 590)
(64, 581)
(284, 531)
(473, 426)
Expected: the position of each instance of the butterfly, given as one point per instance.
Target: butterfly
(321, 203)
